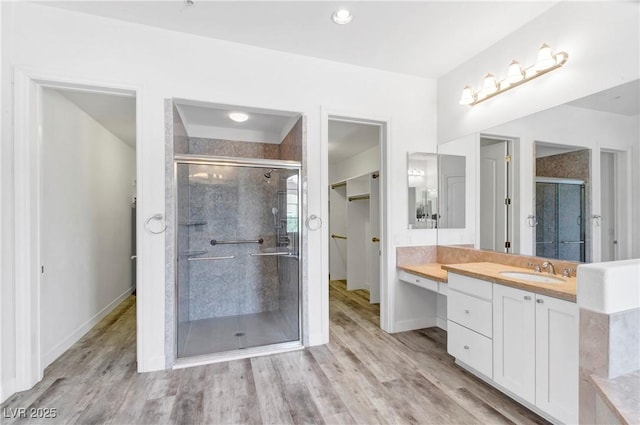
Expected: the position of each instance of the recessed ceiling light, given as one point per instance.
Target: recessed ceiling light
(238, 116)
(342, 16)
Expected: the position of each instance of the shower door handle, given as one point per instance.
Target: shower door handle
(270, 254)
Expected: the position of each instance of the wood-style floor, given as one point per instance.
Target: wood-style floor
(362, 376)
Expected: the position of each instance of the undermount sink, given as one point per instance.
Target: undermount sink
(532, 277)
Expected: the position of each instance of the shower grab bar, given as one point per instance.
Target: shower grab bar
(216, 242)
(211, 258)
(270, 254)
(572, 242)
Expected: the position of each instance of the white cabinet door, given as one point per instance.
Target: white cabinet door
(557, 358)
(514, 341)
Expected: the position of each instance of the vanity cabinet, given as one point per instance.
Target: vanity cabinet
(526, 344)
(535, 348)
(469, 325)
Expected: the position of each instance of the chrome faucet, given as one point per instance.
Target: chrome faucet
(548, 266)
(536, 267)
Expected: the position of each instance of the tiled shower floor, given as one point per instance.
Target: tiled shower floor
(208, 336)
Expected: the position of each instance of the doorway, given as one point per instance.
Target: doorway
(355, 200)
(87, 212)
(496, 195)
(31, 219)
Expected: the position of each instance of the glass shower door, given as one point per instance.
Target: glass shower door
(560, 210)
(238, 274)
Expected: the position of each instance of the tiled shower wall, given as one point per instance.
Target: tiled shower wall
(233, 203)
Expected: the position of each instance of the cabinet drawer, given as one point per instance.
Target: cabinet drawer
(420, 281)
(471, 286)
(470, 347)
(472, 312)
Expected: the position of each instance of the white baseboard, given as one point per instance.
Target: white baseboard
(7, 389)
(152, 364)
(75, 336)
(413, 324)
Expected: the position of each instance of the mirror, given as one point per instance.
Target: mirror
(561, 196)
(604, 127)
(422, 181)
(451, 180)
(437, 190)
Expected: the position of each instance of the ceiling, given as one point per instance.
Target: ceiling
(211, 121)
(622, 100)
(347, 139)
(116, 113)
(422, 38)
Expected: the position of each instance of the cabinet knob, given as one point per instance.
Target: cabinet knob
(527, 297)
(540, 301)
(466, 347)
(466, 311)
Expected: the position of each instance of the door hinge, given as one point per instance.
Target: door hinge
(42, 269)
(507, 158)
(507, 244)
(507, 201)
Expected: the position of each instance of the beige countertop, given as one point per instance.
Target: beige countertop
(491, 272)
(429, 270)
(622, 395)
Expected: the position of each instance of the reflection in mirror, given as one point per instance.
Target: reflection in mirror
(496, 194)
(599, 135)
(422, 177)
(451, 178)
(561, 198)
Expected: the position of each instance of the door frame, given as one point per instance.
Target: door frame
(27, 140)
(384, 143)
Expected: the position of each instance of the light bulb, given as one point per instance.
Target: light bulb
(238, 116)
(545, 58)
(490, 84)
(514, 73)
(342, 17)
(468, 97)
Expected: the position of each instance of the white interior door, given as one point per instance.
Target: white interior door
(374, 240)
(493, 192)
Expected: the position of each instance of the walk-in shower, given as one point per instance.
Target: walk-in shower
(237, 259)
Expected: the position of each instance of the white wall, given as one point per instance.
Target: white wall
(362, 163)
(603, 43)
(572, 126)
(87, 176)
(166, 64)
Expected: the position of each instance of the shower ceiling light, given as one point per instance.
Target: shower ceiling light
(238, 116)
(547, 62)
(342, 16)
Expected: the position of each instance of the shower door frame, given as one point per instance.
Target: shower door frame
(252, 351)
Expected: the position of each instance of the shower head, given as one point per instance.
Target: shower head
(268, 173)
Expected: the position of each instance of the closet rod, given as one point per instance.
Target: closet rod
(334, 236)
(358, 197)
(335, 185)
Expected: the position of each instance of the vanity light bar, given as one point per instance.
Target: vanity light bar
(516, 76)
